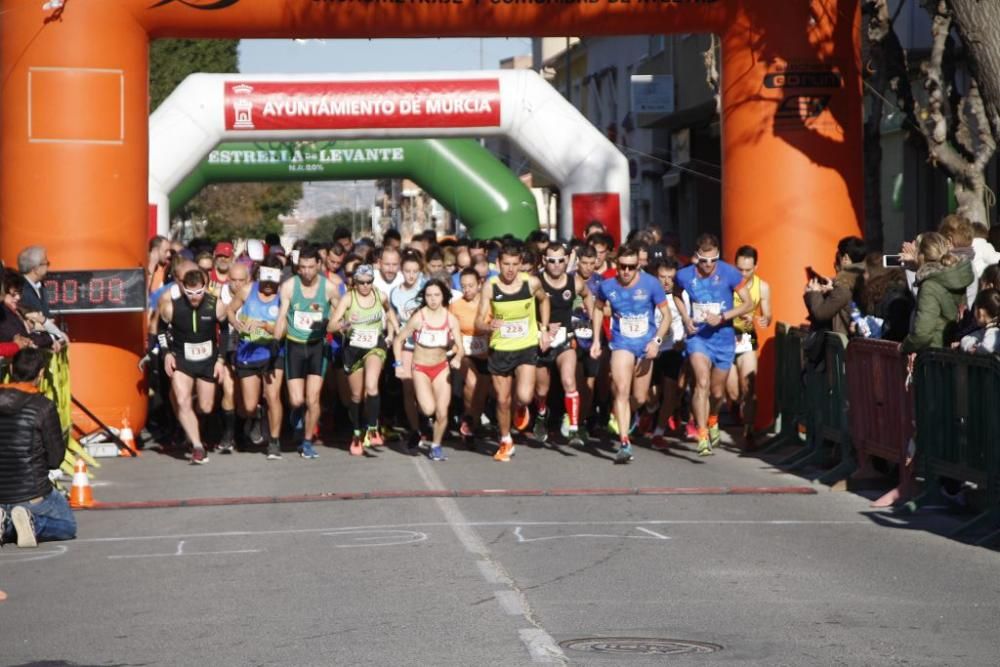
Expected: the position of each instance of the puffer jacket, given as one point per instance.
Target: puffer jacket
(31, 443)
(940, 292)
(832, 311)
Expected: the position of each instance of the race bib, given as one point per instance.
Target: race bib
(514, 328)
(305, 320)
(634, 326)
(198, 351)
(559, 338)
(476, 346)
(701, 311)
(744, 344)
(433, 338)
(365, 339)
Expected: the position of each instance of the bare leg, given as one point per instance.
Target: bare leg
(622, 371)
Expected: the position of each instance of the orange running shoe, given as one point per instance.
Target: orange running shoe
(503, 454)
(522, 417)
(374, 437)
(357, 449)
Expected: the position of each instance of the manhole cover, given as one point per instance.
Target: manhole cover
(639, 645)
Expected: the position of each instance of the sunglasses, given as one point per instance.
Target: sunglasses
(194, 292)
(627, 267)
(555, 260)
(707, 260)
(363, 282)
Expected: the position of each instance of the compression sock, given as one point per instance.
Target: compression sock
(295, 417)
(354, 413)
(228, 425)
(572, 404)
(373, 405)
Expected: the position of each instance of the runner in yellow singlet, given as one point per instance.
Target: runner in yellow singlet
(741, 383)
(519, 332)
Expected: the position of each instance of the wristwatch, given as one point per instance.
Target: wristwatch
(659, 341)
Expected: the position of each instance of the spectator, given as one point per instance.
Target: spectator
(829, 301)
(986, 338)
(33, 263)
(31, 444)
(942, 279)
(958, 231)
(12, 324)
(886, 296)
(160, 252)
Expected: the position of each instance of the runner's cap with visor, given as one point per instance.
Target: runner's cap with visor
(269, 274)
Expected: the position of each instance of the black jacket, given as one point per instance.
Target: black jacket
(31, 443)
(12, 325)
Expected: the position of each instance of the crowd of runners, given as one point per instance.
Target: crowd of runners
(483, 340)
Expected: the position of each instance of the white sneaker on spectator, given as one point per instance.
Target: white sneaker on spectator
(24, 526)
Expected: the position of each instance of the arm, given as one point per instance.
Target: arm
(397, 342)
(233, 309)
(825, 308)
(336, 322)
(585, 293)
(391, 323)
(484, 310)
(281, 325)
(746, 305)
(924, 324)
(597, 321)
(765, 305)
(456, 338)
(544, 312)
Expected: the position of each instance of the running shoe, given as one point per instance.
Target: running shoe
(198, 456)
(673, 425)
(660, 442)
(522, 417)
(465, 429)
(691, 430)
(624, 454)
(24, 526)
(357, 449)
(714, 434)
(564, 427)
(541, 426)
(505, 452)
(226, 446)
(373, 438)
(705, 447)
(579, 438)
(413, 442)
(273, 450)
(613, 425)
(307, 451)
(437, 454)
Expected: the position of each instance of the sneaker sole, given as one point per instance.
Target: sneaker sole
(273, 457)
(22, 526)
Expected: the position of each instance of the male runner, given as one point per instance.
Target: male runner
(238, 279)
(387, 276)
(634, 297)
(306, 301)
(193, 361)
(711, 343)
(742, 380)
(563, 289)
(519, 307)
(583, 332)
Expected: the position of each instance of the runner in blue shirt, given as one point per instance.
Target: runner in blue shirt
(634, 297)
(711, 341)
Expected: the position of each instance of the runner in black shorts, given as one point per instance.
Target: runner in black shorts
(193, 361)
(563, 289)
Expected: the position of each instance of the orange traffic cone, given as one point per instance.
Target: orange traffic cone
(128, 439)
(81, 495)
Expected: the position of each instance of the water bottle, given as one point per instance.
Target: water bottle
(860, 324)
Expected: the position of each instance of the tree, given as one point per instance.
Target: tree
(322, 231)
(232, 210)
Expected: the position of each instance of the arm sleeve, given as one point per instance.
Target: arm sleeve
(923, 324)
(824, 309)
(52, 435)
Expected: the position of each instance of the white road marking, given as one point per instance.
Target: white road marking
(652, 532)
(510, 602)
(521, 539)
(180, 552)
(390, 537)
(491, 574)
(513, 601)
(542, 647)
(27, 557)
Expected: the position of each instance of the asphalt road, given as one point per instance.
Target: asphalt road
(722, 578)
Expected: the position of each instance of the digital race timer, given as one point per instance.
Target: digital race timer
(115, 290)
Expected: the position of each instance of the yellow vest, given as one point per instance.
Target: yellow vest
(518, 312)
(754, 289)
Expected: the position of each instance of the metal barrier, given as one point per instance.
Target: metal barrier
(881, 405)
(958, 426)
(789, 403)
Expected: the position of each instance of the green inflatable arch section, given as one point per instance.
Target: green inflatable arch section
(460, 174)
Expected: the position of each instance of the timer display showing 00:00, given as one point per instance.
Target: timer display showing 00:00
(95, 291)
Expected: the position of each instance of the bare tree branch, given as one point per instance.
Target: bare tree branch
(712, 71)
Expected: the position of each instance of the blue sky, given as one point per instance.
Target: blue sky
(261, 56)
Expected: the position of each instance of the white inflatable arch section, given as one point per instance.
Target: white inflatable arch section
(207, 109)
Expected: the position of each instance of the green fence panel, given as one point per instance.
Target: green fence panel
(788, 396)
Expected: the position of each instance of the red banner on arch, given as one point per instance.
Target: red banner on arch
(338, 105)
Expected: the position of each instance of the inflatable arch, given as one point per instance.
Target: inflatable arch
(460, 174)
(205, 109)
(73, 127)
